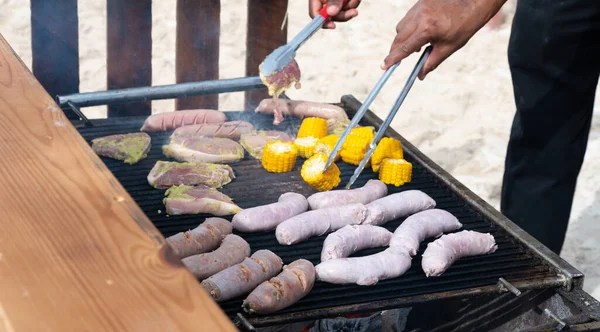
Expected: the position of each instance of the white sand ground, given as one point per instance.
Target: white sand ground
(459, 116)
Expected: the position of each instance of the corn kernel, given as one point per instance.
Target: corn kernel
(306, 146)
(279, 157)
(395, 171)
(387, 148)
(313, 175)
(313, 127)
(326, 144)
(356, 145)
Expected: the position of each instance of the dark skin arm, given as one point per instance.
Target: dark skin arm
(445, 24)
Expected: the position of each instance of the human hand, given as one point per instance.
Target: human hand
(335, 10)
(445, 24)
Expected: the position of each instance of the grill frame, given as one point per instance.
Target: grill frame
(567, 276)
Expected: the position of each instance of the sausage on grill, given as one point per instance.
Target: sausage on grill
(372, 190)
(443, 252)
(290, 286)
(396, 206)
(232, 251)
(352, 238)
(267, 217)
(231, 129)
(204, 238)
(171, 120)
(301, 109)
(423, 225)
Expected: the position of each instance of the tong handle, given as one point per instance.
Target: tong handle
(323, 11)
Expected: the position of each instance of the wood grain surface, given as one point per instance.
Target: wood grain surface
(76, 252)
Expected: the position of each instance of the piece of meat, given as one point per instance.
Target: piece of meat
(231, 129)
(372, 190)
(288, 287)
(232, 251)
(130, 148)
(166, 174)
(352, 238)
(267, 217)
(301, 109)
(367, 270)
(398, 205)
(255, 141)
(423, 225)
(203, 149)
(280, 81)
(198, 199)
(319, 222)
(171, 120)
(446, 250)
(204, 238)
(242, 278)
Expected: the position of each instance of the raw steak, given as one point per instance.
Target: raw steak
(198, 199)
(203, 149)
(255, 141)
(165, 174)
(130, 148)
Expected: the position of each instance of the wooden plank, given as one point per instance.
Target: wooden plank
(76, 252)
(197, 58)
(129, 44)
(55, 46)
(264, 34)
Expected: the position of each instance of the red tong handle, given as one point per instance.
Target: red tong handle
(323, 11)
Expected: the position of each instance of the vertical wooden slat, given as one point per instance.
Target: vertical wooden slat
(197, 58)
(129, 44)
(55, 46)
(264, 34)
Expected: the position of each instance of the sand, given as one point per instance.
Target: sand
(459, 116)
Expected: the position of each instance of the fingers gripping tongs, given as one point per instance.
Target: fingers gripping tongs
(365, 106)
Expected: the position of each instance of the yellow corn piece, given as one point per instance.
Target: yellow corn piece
(356, 145)
(279, 157)
(313, 175)
(313, 127)
(306, 146)
(326, 144)
(395, 171)
(387, 148)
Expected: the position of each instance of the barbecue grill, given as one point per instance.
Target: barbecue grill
(475, 293)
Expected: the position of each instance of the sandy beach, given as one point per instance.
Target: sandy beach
(460, 116)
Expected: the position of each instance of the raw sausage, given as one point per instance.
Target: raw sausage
(319, 222)
(242, 278)
(396, 206)
(367, 270)
(204, 238)
(352, 238)
(267, 217)
(232, 251)
(232, 130)
(290, 286)
(423, 225)
(372, 190)
(302, 109)
(446, 250)
(171, 120)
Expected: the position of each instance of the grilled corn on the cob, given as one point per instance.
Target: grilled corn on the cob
(395, 171)
(313, 127)
(326, 144)
(313, 175)
(387, 148)
(306, 146)
(356, 145)
(279, 157)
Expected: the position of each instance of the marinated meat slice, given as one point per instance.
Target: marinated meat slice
(130, 148)
(198, 199)
(203, 149)
(230, 129)
(255, 141)
(166, 174)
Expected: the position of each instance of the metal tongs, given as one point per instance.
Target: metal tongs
(282, 56)
(365, 106)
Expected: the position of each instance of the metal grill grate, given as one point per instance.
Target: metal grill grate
(254, 186)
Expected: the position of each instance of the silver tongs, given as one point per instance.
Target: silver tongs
(365, 106)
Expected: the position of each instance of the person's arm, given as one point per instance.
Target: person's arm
(335, 10)
(445, 24)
